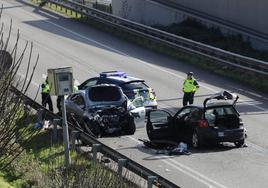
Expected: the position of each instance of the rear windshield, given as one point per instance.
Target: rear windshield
(134, 85)
(222, 111)
(104, 94)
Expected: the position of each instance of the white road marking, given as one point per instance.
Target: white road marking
(190, 172)
(258, 148)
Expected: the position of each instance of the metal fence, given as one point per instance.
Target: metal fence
(186, 45)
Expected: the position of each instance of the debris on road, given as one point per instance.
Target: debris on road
(167, 147)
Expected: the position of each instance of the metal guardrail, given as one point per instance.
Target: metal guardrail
(189, 46)
(213, 19)
(123, 161)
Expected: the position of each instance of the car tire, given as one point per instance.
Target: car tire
(149, 130)
(196, 140)
(131, 129)
(92, 128)
(71, 119)
(240, 143)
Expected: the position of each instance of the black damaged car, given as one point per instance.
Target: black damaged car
(214, 122)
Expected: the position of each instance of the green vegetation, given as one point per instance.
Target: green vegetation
(196, 31)
(3, 183)
(41, 165)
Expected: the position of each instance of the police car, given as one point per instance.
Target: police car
(131, 86)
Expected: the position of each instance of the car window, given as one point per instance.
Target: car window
(183, 113)
(229, 110)
(222, 111)
(134, 85)
(159, 116)
(196, 114)
(210, 116)
(90, 82)
(78, 99)
(104, 94)
(104, 81)
(72, 97)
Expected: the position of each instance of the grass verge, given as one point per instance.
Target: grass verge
(42, 165)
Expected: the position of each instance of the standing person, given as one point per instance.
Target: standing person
(59, 99)
(46, 98)
(190, 86)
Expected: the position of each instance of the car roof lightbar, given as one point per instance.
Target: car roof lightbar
(120, 74)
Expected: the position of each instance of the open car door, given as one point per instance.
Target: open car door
(158, 125)
(138, 111)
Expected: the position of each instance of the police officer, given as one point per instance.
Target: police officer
(46, 98)
(190, 86)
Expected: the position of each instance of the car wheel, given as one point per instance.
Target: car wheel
(92, 128)
(149, 130)
(196, 141)
(239, 143)
(131, 129)
(74, 122)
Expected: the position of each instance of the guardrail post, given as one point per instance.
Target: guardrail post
(74, 135)
(150, 181)
(95, 148)
(121, 164)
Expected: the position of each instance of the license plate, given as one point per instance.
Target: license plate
(220, 134)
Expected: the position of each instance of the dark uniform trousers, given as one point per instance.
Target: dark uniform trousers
(188, 97)
(46, 99)
(59, 99)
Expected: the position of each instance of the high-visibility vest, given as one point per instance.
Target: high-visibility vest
(189, 86)
(45, 87)
(75, 88)
(151, 95)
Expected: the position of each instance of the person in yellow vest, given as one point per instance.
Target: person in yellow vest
(46, 98)
(190, 86)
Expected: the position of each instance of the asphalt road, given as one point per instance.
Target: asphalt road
(62, 42)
